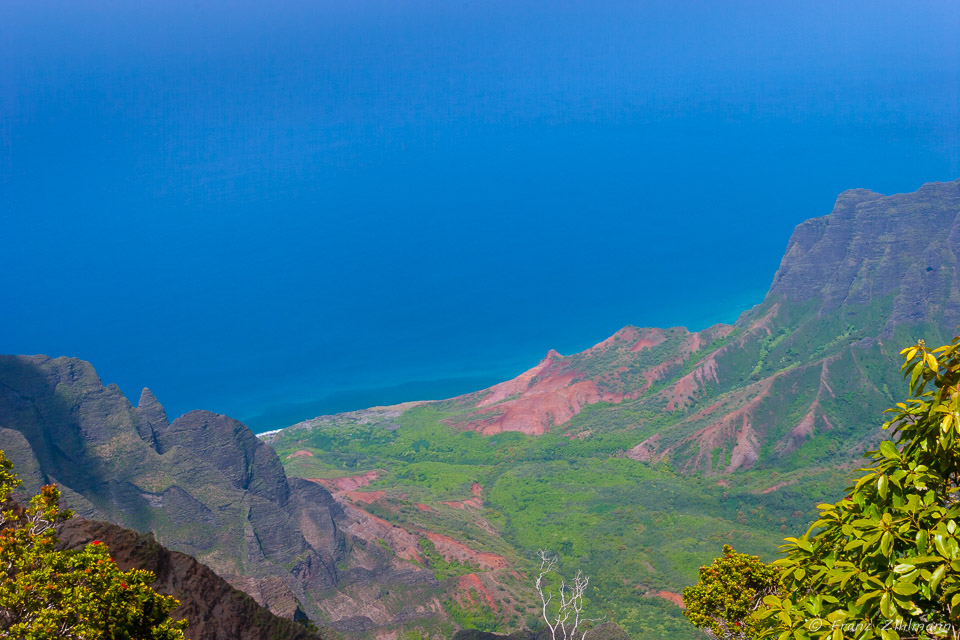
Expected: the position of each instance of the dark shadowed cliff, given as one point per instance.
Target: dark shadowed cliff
(214, 609)
(204, 485)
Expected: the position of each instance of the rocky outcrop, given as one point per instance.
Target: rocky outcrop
(230, 447)
(202, 484)
(873, 246)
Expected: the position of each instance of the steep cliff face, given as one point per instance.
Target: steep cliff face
(873, 246)
(203, 484)
(853, 286)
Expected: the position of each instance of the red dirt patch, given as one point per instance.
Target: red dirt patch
(675, 598)
(552, 401)
(406, 543)
(366, 497)
(779, 485)
(348, 483)
(472, 583)
(549, 394)
(370, 528)
(450, 549)
(553, 392)
(476, 502)
(687, 386)
(302, 453)
(502, 391)
(469, 503)
(423, 507)
(735, 426)
(652, 338)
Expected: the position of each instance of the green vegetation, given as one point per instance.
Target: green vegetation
(883, 562)
(47, 594)
(441, 567)
(635, 528)
(472, 615)
(726, 596)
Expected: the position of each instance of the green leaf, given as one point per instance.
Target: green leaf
(886, 543)
(918, 560)
(886, 605)
(937, 577)
(889, 450)
(915, 374)
(905, 589)
(938, 542)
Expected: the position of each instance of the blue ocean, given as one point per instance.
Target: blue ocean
(280, 210)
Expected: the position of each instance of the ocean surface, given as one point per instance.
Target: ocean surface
(279, 210)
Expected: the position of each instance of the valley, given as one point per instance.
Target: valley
(640, 530)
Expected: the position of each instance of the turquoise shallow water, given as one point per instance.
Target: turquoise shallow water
(279, 212)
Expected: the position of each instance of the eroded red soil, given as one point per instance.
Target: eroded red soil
(302, 453)
(348, 483)
(471, 583)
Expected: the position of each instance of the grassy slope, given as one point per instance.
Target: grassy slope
(636, 528)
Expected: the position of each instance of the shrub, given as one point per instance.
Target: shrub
(47, 594)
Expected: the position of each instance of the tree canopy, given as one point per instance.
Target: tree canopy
(728, 593)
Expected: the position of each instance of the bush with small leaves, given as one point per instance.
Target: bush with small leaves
(46, 594)
(728, 592)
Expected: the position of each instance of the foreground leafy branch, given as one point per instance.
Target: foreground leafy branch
(47, 594)
(883, 562)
